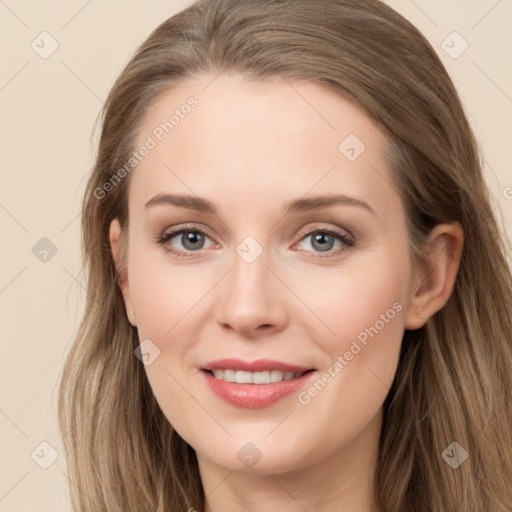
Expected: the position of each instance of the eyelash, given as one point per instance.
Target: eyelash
(346, 240)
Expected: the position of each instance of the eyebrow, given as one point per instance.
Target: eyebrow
(297, 205)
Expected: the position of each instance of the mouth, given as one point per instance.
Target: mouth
(256, 384)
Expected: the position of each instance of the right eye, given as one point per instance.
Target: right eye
(191, 238)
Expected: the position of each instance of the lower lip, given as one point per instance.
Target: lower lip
(254, 396)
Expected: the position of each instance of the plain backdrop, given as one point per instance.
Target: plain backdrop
(48, 105)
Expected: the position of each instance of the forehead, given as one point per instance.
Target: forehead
(228, 137)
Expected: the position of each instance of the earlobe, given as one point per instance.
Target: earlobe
(115, 238)
(434, 282)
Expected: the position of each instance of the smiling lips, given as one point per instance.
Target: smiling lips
(254, 384)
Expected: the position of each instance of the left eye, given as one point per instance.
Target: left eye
(323, 240)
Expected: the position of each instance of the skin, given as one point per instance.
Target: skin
(250, 148)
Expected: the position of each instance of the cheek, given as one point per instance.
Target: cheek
(354, 299)
(167, 299)
(163, 294)
(363, 309)
(163, 300)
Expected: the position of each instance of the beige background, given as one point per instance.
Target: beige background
(48, 107)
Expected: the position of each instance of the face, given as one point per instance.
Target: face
(301, 259)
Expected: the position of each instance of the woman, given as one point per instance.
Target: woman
(298, 294)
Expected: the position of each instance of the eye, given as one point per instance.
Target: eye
(324, 239)
(191, 239)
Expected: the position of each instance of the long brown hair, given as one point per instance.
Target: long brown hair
(454, 379)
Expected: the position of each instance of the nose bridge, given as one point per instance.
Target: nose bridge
(249, 296)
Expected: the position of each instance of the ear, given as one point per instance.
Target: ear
(116, 243)
(434, 280)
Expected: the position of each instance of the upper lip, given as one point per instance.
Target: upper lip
(260, 365)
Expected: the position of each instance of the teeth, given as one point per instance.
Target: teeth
(243, 377)
(265, 377)
(276, 376)
(229, 375)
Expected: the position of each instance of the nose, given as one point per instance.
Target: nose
(252, 301)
